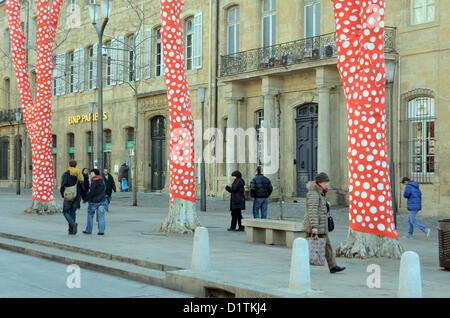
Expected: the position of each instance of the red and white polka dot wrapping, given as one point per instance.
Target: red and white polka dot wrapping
(181, 163)
(360, 44)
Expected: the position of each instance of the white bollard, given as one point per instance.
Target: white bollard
(300, 279)
(200, 251)
(410, 281)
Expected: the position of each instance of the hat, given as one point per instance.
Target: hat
(124, 164)
(405, 179)
(322, 177)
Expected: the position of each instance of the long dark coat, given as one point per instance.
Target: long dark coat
(237, 200)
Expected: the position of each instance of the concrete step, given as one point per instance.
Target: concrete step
(108, 266)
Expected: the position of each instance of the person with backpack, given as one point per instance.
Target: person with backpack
(414, 196)
(97, 202)
(260, 190)
(72, 190)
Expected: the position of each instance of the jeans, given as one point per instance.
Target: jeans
(69, 212)
(108, 201)
(260, 203)
(412, 221)
(100, 207)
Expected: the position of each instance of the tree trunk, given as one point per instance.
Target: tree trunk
(43, 208)
(182, 218)
(365, 245)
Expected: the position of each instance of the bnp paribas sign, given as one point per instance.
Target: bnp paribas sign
(79, 119)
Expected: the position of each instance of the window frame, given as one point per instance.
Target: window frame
(271, 13)
(312, 4)
(424, 7)
(189, 33)
(235, 26)
(158, 42)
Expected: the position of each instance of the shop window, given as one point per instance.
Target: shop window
(4, 158)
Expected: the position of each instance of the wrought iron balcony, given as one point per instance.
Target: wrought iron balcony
(290, 53)
(9, 115)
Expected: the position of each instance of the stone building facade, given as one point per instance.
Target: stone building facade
(276, 69)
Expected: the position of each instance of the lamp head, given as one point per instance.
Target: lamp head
(18, 115)
(390, 71)
(106, 8)
(202, 94)
(94, 12)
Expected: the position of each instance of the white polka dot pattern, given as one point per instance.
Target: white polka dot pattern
(37, 116)
(181, 163)
(360, 43)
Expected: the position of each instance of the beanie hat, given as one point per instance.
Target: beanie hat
(322, 177)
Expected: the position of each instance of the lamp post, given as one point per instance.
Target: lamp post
(91, 111)
(94, 12)
(19, 155)
(202, 96)
(390, 77)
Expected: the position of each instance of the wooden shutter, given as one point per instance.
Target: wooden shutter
(61, 74)
(113, 55)
(198, 41)
(148, 53)
(120, 59)
(81, 70)
(137, 64)
(94, 69)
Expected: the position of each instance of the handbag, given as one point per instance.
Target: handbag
(316, 250)
(124, 184)
(70, 193)
(330, 219)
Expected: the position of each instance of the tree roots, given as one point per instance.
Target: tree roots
(43, 208)
(182, 218)
(365, 245)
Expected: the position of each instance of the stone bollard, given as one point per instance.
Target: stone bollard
(300, 279)
(410, 281)
(200, 251)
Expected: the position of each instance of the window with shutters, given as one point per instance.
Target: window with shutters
(312, 18)
(147, 53)
(422, 11)
(188, 47)
(4, 158)
(233, 30)
(59, 75)
(159, 61)
(269, 22)
(72, 73)
(108, 65)
(198, 41)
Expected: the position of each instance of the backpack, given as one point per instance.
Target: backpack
(70, 193)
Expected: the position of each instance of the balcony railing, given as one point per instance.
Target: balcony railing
(285, 54)
(8, 115)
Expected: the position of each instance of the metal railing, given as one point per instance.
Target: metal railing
(289, 53)
(9, 115)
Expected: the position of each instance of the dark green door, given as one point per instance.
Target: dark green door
(158, 136)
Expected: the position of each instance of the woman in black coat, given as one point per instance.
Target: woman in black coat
(237, 201)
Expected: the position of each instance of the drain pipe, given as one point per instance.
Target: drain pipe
(278, 96)
(216, 97)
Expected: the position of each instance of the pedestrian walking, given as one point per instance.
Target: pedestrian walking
(260, 190)
(123, 174)
(315, 221)
(72, 190)
(97, 202)
(237, 200)
(414, 196)
(110, 185)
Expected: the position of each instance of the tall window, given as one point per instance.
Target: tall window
(259, 135)
(4, 158)
(312, 18)
(89, 150)
(422, 11)
(269, 22)
(422, 135)
(33, 84)
(7, 93)
(158, 54)
(189, 31)
(131, 58)
(109, 66)
(233, 30)
(17, 155)
(72, 71)
(107, 147)
(54, 154)
(71, 146)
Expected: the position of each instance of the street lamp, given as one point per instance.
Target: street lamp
(390, 77)
(202, 96)
(91, 111)
(19, 155)
(94, 12)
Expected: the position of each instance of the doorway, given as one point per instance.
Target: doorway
(306, 135)
(158, 153)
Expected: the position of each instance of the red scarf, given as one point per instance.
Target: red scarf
(324, 191)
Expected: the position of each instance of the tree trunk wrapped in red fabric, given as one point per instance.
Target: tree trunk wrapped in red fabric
(38, 114)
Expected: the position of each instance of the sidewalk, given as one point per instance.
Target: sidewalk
(134, 232)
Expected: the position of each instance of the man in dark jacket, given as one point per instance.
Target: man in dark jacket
(110, 185)
(97, 201)
(260, 189)
(414, 196)
(70, 178)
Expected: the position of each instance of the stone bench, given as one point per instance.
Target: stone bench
(273, 232)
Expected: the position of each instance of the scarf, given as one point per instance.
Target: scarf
(324, 191)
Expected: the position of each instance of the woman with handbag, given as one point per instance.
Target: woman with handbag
(316, 221)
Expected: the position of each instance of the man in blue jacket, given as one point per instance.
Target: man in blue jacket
(414, 196)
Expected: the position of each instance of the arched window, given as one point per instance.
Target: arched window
(233, 17)
(4, 158)
(189, 41)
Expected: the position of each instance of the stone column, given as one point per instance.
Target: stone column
(323, 136)
(232, 122)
